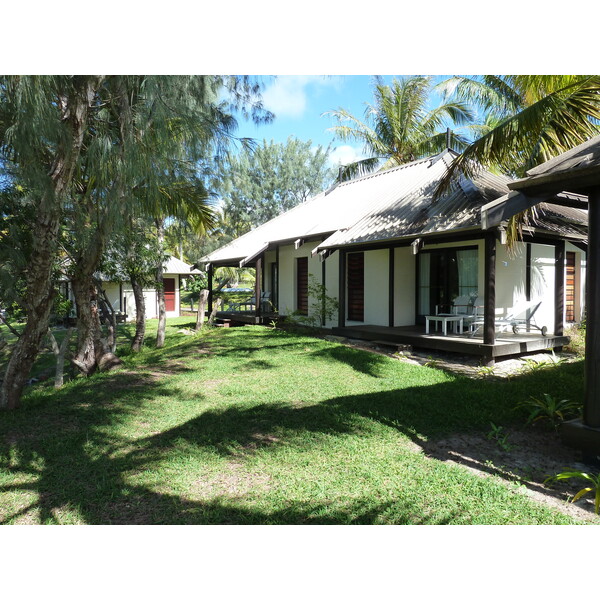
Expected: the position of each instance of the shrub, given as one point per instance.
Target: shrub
(547, 408)
(322, 308)
(594, 486)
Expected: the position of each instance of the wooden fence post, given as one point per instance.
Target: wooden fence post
(201, 309)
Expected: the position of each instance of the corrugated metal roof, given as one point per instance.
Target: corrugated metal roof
(174, 265)
(564, 221)
(388, 205)
(415, 212)
(339, 208)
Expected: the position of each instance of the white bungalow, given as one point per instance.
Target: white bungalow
(392, 253)
(120, 294)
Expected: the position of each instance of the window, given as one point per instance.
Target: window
(445, 274)
(356, 286)
(302, 285)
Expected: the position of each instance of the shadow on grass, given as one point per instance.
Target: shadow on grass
(258, 365)
(368, 363)
(65, 451)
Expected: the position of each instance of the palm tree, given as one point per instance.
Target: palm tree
(399, 127)
(537, 117)
(533, 118)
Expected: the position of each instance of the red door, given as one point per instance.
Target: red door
(169, 285)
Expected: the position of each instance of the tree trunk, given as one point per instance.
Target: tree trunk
(201, 308)
(215, 309)
(88, 324)
(93, 352)
(160, 288)
(59, 352)
(110, 320)
(40, 291)
(140, 314)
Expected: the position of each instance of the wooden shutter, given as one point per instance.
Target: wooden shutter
(570, 288)
(302, 285)
(356, 286)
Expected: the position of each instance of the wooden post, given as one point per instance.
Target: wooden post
(591, 405)
(528, 278)
(391, 288)
(210, 289)
(559, 287)
(489, 310)
(257, 285)
(323, 283)
(342, 289)
(276, 291)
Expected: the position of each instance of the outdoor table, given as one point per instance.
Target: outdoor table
(444, 319)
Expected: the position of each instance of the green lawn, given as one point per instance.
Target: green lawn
(253, 425)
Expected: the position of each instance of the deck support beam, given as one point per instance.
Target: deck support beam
(276, 290)
(258, 285)
(528, 279)
(391, 288)
(489, 309)
(584, 433)
(324, 284)
(591, 407)
(210, 288)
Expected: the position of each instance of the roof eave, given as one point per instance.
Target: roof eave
(576, 180)
(405, 239)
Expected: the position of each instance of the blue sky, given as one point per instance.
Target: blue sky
(299, 101)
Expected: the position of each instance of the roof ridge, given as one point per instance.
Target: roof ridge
(392, 169)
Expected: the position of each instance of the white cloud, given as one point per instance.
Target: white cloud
(287, 95)
(343, 155)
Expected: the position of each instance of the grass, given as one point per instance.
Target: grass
(254, 425)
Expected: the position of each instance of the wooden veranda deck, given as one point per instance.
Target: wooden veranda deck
(247, 316)
(507, 343)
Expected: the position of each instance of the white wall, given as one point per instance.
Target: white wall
(510, 280)
(150, 300)
(542, 284)
(112, 292)
(376, 288)
(332, 282)
(404, 287)
(511, 277)
(287, 273)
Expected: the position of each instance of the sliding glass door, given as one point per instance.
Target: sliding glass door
(444, 274)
